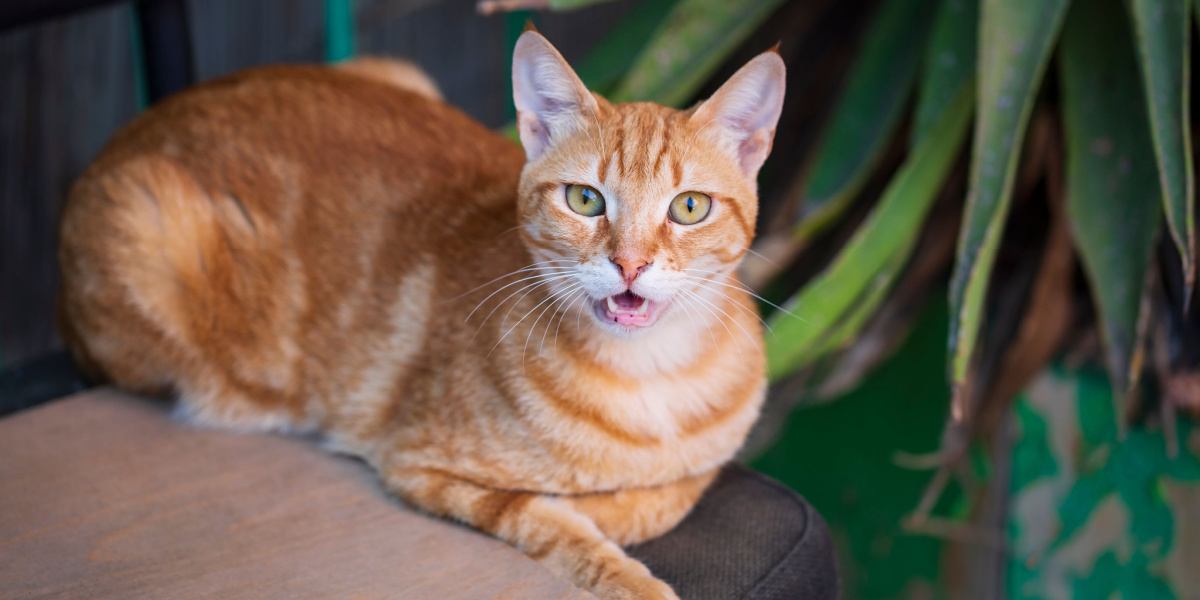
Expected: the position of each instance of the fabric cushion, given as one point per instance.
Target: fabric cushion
(749, 538)
(103, 496)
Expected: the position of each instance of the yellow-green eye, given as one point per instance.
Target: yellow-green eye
(585, 200)
(690, 208)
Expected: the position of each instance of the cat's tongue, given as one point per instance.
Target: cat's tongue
(627, 300)
(628, 308)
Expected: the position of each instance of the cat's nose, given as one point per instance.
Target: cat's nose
(630, 267)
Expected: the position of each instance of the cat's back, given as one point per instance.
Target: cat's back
(269, 228)
(321, 125)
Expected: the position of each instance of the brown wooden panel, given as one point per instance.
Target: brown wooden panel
(102, 496)
(65, 86)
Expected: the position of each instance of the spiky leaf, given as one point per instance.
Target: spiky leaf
(868, 111)
(891, 230)
(1161, 30)
(607, 61)
(688, 46)
(949, 61)
(1112, 183)
(1015, 40)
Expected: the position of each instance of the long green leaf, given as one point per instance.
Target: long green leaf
(1015, 40)
(949, 61)
(867, 113)
(846, 330)
(1162, 29)
(892, 229)
(688, 46)
(1112, 185)
(605, 63)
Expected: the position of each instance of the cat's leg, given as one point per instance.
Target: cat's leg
(546, 528)
(636, 515)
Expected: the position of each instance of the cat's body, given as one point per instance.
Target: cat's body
(303, 248)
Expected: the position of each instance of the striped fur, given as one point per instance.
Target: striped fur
(310, 249)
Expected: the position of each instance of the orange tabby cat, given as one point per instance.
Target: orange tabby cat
(551, 347)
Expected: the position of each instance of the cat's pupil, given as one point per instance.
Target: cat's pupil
(691, 204)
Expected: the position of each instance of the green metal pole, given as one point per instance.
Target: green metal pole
(339, 30)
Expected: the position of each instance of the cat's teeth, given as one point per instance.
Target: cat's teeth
(641, 310)
(612, 305)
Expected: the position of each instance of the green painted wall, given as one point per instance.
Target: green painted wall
(1090, 515)
(839, 456)
(1094, 516)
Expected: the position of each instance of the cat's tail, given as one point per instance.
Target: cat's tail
(399, 73)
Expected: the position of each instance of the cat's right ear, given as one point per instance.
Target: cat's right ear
(551, 100)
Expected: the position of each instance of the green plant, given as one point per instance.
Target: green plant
(1030, 157)
(1123, 162)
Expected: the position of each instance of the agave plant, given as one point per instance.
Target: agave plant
(1117, 143)
(1101, 87)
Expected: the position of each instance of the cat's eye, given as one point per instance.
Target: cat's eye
(585, 200)
(690, 208)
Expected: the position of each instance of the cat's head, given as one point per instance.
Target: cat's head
(637, 209)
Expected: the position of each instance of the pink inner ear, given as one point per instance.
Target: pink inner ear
(534, 136)
(753, 151)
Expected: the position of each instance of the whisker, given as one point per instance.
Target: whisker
(527, 289)
(753, 312)
(722, 311)
(510, 284)
(577, 325)
(532, 328)
(525, 269)
(766, 258)
(560, 313)
(686, 304)
(509, 230)
(581, 293)
(743, 288)
(519, 321)
(697, 299)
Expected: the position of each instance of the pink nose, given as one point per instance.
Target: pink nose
(629, 267)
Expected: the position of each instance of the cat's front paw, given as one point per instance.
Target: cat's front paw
(633, 583)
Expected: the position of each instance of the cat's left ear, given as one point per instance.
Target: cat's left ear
(551, 101)
(741, 116)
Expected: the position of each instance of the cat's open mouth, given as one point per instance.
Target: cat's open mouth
(628, 309)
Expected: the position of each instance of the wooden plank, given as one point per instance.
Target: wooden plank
(102, 496)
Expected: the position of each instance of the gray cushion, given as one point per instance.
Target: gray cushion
(749, 538)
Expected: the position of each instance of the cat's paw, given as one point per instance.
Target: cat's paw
(633, 583)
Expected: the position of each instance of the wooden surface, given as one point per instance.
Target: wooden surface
(102, 496)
